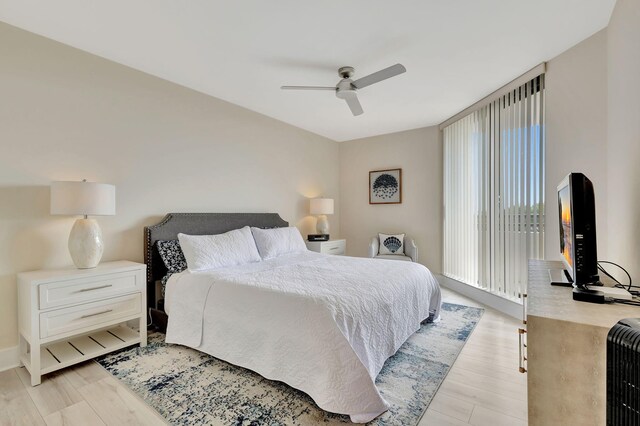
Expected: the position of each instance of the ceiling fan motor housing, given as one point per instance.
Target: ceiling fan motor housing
(344, 89)
(346, 72)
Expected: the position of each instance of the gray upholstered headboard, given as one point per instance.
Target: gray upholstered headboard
(194, 224)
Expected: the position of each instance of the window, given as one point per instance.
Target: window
(494, 191)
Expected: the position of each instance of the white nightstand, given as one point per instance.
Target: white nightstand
(72, 315)
(328, 247)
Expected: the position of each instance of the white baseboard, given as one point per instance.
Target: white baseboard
(498, 303)
(9, 358)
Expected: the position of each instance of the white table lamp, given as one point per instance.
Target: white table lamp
(86, 199)
(321, 207)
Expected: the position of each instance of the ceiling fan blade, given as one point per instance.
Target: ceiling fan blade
(307, 88)
(376, 77)
(354, 105)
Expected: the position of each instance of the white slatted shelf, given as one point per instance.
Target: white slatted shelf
(81, 348)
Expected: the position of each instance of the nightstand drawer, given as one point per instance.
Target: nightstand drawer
(338, 247)
(63, 293)
(333, 247)
(65, 320)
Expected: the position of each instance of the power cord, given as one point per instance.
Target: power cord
(150, 324)
(635, 293)
(625, 301)
(628, 287)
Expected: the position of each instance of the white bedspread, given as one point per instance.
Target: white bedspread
(322, 324)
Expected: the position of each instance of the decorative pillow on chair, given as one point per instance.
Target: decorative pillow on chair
(391, 244)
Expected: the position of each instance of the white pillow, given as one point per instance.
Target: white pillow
(204, 252)
(391, 244)
(278, 241)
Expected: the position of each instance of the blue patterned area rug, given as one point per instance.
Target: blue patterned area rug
(188, 387)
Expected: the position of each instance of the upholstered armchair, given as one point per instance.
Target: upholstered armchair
(410, 250)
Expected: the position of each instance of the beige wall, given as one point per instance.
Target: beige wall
(623, 136)
(576, 116)
(593, 126)
(68, 115)
(419, 154)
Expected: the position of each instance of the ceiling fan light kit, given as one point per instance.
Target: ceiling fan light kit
(347, 88)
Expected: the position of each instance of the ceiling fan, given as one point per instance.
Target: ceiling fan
(346, 88)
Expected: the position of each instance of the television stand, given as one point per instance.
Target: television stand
(560, 277)
(566, 351)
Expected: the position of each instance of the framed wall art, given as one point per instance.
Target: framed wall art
(385, 186)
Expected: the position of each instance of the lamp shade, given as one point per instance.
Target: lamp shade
(321, 206)
(83, 198)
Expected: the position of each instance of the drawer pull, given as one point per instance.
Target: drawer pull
(95, 288)
(97, 313)
(521, 347)
(334, 248)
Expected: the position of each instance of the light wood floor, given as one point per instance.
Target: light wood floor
(482, 388)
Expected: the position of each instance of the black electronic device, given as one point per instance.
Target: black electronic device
(583, 294)
(318, 237)
(560, 277)
(577, 218)
(623, 373)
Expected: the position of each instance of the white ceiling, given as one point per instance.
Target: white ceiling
(242, 51)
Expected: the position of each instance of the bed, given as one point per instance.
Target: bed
(322, 324)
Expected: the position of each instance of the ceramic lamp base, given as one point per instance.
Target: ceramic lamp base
(85, 243)
(322, 226)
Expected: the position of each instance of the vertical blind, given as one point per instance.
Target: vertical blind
(494, 191)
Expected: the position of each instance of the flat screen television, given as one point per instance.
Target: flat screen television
(577, 219)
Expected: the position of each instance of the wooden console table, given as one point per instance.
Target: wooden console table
(566, 351)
